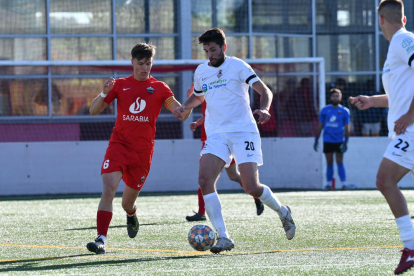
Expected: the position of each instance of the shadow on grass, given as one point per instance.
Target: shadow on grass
(29, 264)
(119, 226)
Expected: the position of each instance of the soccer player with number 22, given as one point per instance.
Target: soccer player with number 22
(398, 81)
(129, 153)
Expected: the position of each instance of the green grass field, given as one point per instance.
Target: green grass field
(338, 233)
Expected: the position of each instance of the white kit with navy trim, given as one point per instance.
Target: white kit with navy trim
(226, 91)
(398, 77)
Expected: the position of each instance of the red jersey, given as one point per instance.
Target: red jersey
(203, 130)
(139, 104)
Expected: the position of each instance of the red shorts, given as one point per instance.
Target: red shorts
(135, 166)
(232, 161)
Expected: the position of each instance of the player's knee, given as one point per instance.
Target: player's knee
(108, 191)
(128, 206)
(382, 183)
(253, 190)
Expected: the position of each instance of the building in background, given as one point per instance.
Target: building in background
(344, 32)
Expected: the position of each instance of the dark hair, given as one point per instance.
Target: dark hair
(213, 35)
(143, 50)
(334, 90)
(391, 10)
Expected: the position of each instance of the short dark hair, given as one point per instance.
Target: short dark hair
(391, 10)
(334, 90)
(143, 50)
(213, 35)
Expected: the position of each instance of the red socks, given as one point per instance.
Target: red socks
(103, 219)
(201, 208)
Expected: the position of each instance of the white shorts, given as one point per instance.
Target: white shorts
(401, 150)
(242, 146)
(374, 128)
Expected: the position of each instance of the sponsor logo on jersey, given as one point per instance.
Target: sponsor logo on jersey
(386, 68)
(406, 42)
(204, 88)
(332, 119)
(137, 106)
(134, 118)
(150, 90)
(410, 49)
(217, 84)
(219, 74)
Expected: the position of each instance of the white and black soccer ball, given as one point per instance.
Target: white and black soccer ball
(201, 237)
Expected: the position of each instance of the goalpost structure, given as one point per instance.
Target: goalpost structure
(301, 159)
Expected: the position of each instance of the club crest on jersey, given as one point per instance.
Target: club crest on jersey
(137, 106)
(143, 179)
(219, 74)
(339, 111)
(150, 90)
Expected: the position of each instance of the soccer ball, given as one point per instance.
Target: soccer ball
(201, 237)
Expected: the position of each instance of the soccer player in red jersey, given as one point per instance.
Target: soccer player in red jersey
(128, 156)
(232, 172)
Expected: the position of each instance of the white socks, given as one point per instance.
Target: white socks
(272, 201)
(103, 238)
(213, 210)
(405, 226)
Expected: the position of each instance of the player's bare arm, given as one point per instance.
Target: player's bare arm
(98, 103)
(365, 102)
(265, 101)
(196, 124)
(193, 101)
(405, 120)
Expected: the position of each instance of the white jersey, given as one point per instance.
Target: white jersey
(398, 77)
(226, 92)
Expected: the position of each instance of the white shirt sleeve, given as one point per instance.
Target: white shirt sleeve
(246, 74)
(198, 91)
(404, 48)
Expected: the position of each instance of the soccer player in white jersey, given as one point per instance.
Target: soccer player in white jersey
(223, 82)
(398, 81)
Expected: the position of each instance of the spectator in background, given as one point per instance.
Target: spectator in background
(305, 113)
(270, 129)
(370, 119)
(284, 102)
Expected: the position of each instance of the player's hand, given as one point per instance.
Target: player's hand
(264, 115)
(109, 84)
(361, 102)
(315, 144)
(178, 112)
(190, 90)
(344, 147)
(400, 126)
(193, 126)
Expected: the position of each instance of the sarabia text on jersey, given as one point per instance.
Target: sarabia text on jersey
(398, 77)
(139, 104)
(334, 120)
(225, 89)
